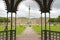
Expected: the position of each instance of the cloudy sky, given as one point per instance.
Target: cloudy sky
(23, 9)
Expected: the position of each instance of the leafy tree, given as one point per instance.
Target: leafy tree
(58, 16)
(58, 19)
(3, 19)
(54, 19)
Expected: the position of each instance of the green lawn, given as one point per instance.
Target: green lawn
(37, 28)
(20, 28)
(1, 28)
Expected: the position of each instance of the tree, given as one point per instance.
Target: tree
(58, 16)
(58, 19)
(52, 20)
(3, 19)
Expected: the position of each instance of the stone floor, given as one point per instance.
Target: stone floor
(28, 34)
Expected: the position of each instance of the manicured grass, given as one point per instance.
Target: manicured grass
(1, 27)
(37, 28)
(55, 28)
(19, 28)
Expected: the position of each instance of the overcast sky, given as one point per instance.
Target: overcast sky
(23, 9)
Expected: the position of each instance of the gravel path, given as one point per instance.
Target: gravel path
(28, 34)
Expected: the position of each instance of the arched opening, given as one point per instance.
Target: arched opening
(23, 10)
(34, 16)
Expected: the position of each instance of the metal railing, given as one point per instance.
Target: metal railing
(4, 37)
(51, 35)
